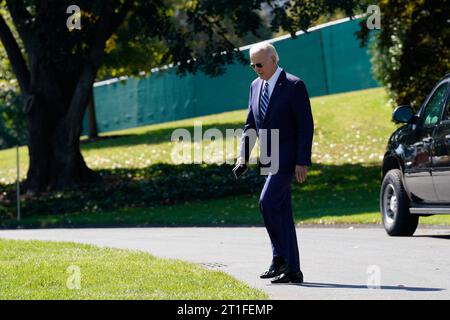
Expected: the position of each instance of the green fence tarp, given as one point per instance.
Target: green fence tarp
(329, 60)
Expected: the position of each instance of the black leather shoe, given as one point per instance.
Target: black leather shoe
(290, 277)
(275, 271)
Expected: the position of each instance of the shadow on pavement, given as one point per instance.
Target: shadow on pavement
(442, 236)
(351, 286)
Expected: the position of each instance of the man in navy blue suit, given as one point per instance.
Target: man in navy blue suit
(279, 102)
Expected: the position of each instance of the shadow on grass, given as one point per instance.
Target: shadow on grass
(195, 194)
(333, 190)
(154, 136)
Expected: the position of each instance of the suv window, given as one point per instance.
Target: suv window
(433, 109)
(447, 115)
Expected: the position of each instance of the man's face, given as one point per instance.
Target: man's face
(264, 64)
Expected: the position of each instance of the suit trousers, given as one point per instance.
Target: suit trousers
(276, 209)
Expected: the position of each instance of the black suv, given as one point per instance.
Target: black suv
(416, 166)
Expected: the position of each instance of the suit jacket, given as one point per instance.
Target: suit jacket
(289, 111)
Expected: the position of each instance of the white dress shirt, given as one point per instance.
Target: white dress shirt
(273, 81)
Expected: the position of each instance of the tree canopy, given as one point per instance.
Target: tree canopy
(411, 52)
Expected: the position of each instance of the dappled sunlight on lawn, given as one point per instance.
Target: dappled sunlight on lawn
(349, 128)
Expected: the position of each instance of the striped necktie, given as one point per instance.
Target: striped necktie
(264, 101)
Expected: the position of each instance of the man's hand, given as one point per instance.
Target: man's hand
(240, 161)
(240, 167)
(300, 173)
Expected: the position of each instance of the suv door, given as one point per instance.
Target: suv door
(441, 156)
(418, 177)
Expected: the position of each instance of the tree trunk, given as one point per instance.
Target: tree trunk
(56, 162)
(57, 87)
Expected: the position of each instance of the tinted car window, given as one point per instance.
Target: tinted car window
(447, 116)
(433, 109)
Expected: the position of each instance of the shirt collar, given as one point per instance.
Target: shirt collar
(273, 79)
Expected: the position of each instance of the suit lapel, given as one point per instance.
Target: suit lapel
(255, 98)
(273, 98)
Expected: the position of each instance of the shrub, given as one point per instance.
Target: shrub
(159, 184)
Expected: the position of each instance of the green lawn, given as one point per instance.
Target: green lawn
(332, 195)
(351, 132)
(49, 270)
(349, 128)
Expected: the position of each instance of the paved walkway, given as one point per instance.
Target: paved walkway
(338, 263)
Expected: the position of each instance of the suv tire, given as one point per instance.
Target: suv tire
(394, 206)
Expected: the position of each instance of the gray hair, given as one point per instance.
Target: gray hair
(264, 46)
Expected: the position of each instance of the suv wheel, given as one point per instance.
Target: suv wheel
(394, 206)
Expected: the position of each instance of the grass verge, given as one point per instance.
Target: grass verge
(50, 270)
